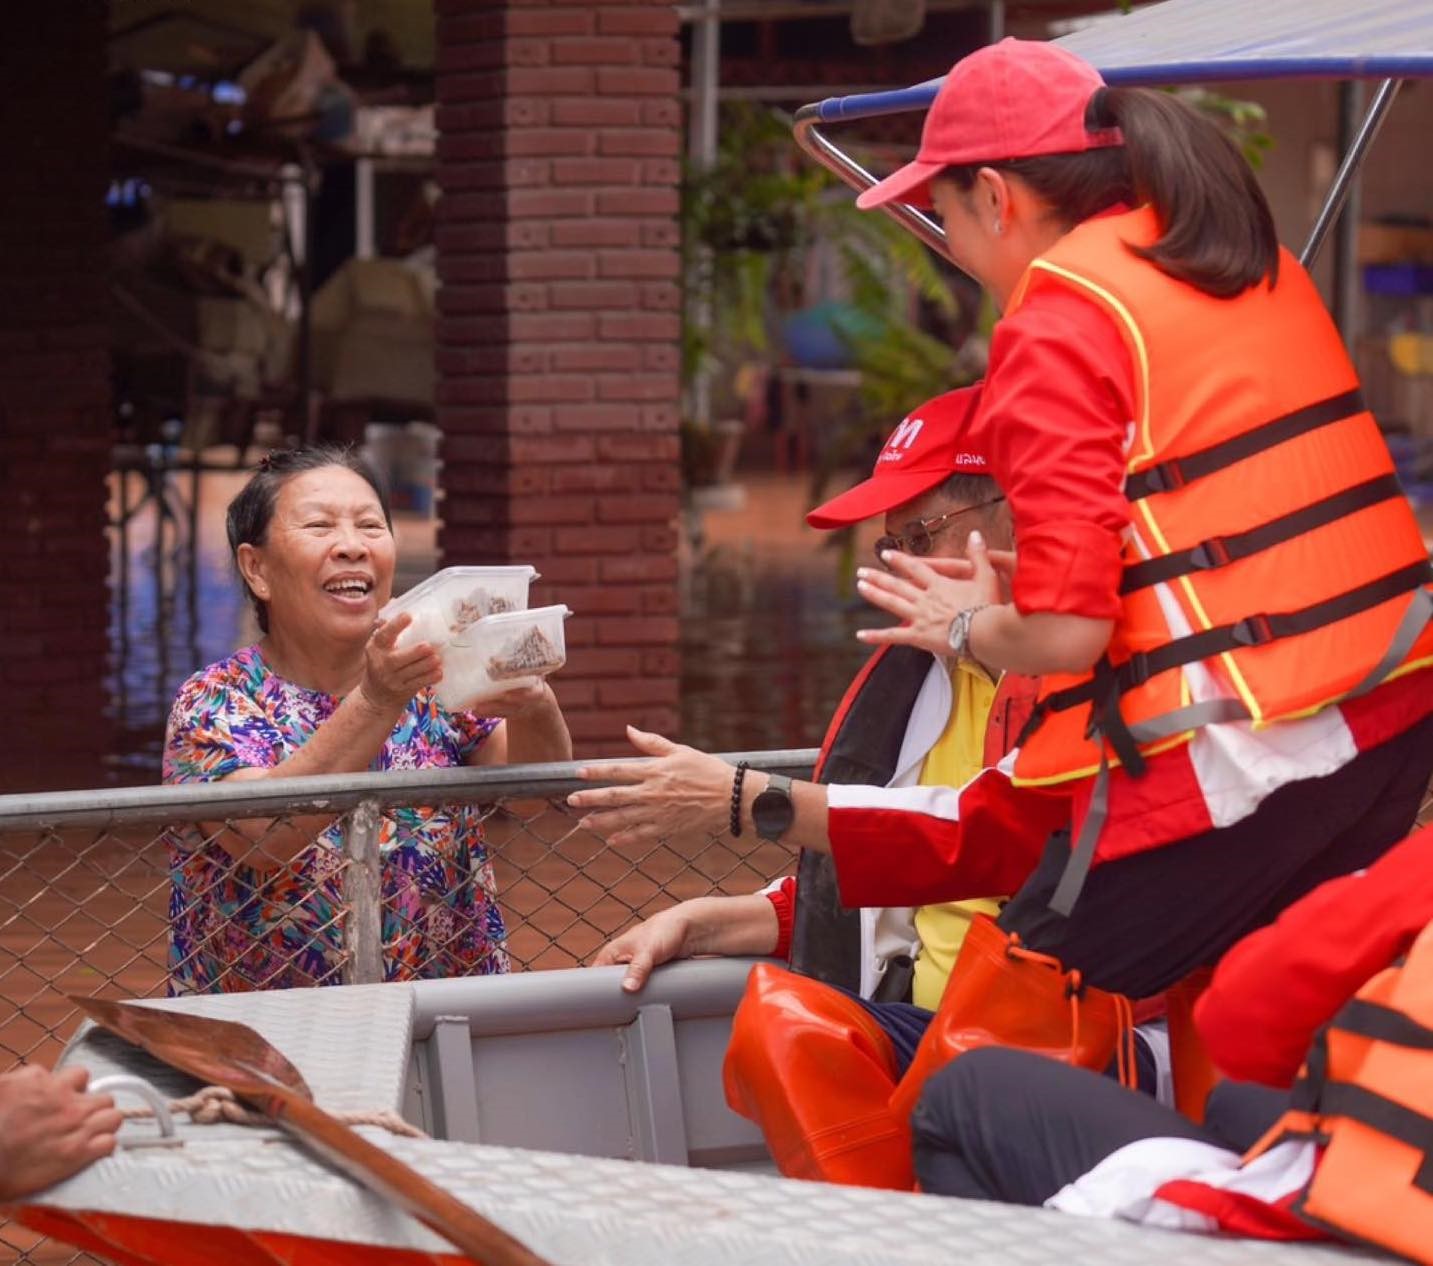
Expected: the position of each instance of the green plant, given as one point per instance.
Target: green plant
(742, 218)
(748, 221)
(1243, 120)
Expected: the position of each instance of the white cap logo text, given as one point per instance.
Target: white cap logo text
(902, 439)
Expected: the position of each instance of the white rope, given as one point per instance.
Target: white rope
(214, 1104)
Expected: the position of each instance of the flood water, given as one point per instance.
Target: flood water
(768, 642)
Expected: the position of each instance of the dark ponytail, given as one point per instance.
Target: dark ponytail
(1218, 230)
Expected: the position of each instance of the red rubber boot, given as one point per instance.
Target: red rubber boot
(815, 1071)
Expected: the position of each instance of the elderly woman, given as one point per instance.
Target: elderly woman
(328, 689)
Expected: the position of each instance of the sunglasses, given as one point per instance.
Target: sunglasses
(919, 534)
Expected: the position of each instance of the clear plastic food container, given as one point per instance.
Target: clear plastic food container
(502, 652)
(449, 601)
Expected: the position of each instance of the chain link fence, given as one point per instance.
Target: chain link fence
(89, 902)
(118, 893)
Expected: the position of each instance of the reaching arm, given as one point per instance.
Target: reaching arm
(892, 846)
(682, 790)
(704, 925)
(533, 730)
(913, 846)
(50, 1127)
(927, 595)
(347, 742)
(1273, 991)
(1056, 416)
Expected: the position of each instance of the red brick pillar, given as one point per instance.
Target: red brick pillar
(54, 397)
(558, 329)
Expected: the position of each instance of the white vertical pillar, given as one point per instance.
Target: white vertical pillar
(1347, 281)
(701, 154)
(363, 225)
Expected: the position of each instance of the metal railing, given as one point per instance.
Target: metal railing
(89, 898)
(87, 891)
(89, 903)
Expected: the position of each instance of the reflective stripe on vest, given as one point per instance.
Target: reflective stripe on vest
(1366, 1094)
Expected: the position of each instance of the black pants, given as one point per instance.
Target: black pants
(1145, 922)
(1009, 1125)
(905, 1024)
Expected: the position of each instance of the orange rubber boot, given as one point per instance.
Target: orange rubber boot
(1194, 1072)
(815, 1071)
(1001, 994)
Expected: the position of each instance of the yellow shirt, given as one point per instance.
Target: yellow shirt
(957, 756)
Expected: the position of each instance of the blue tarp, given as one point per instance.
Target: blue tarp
(1192, 41)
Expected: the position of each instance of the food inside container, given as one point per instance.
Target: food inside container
(450, 601)
(502, 652)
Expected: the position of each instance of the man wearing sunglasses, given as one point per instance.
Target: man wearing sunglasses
(814, 1064)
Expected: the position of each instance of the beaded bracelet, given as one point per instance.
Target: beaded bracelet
(737, 779)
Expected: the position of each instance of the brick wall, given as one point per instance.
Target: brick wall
(558, 329)
(54, 396)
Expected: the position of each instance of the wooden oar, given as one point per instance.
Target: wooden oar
(222, 1053)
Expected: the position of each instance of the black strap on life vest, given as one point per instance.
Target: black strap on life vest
(1254, 630)
(1107, 720)
(1177, 472)
(1383, 1024)
(1107, 723)
(1315, 1092)
(825, 935)
(1346, 1099)
(1220, 551)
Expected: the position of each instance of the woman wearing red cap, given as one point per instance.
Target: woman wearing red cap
(1218, 577)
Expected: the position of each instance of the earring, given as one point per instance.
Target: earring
(999, 228)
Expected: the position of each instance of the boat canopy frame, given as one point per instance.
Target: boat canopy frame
(1181, 42)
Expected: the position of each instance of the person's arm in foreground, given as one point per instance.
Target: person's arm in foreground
(1055, 414)
(50, 1128)
(703, 925)
(347, 742)
(927, 595)
(1273, 991)
(533, 728)
(891, 845)
(680, 790)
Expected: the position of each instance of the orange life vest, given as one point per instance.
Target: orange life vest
(1269, 538)
(1366, 1095)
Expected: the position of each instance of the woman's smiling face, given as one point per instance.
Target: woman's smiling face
(325, 567)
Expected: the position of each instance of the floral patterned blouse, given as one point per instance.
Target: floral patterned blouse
(234, 928)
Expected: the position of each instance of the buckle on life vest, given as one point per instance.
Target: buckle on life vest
(1211, 553)
(1134, 671)
(1253, 630)
(1165, 477)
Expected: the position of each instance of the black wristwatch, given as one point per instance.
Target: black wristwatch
(772, 811)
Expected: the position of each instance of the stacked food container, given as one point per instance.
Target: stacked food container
(478, 620)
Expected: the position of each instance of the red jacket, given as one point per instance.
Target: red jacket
(1279, 985)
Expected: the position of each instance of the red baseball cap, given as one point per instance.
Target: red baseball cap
(931, 444)
(1014, 99)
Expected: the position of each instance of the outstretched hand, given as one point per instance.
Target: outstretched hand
(654, 941)
(677, 789)
(927, 594)
(392, 675)
(50, 1127)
